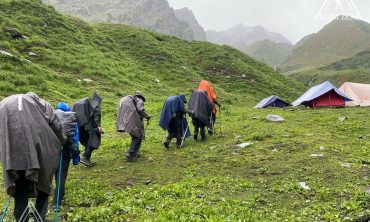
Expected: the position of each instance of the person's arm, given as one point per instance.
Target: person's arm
(141, 110)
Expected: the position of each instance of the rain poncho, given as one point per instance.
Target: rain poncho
(200, 105)
(88, 118)
(31, 140)
(173, 105)
(130, 116)
(206, 86)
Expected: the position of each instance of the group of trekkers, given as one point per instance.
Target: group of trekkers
(38, 142)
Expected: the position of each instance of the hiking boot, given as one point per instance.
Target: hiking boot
(166, 144)
(131, 157)
(178, 146)
(85, 161)
(210, 131)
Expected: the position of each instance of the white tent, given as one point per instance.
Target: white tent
(359, 93)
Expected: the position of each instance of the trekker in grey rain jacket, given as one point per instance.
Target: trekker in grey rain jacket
(130, 116)
(31, 139)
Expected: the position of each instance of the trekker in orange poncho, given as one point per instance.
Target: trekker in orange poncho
(206, 86)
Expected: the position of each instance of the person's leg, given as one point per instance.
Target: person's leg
(134, 148)
(42, 204)
(180, 129)
(203, 133)
(171, 133)
(213, 121)
(63, 178)
(21, 198)
(196, 128)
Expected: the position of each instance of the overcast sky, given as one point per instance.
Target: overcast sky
(292, 18)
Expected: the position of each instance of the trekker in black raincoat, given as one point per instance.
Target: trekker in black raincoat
(31, 138)
(173, 119)
(130, 116)
(201, 108)
(88, 112)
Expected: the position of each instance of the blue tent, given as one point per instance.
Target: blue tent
(272, 101)
(323, 95)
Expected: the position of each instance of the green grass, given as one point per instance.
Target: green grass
(214, 181)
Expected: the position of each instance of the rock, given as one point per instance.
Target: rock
(14, 33)
(244, 76)
(275, 118)
(130, 182)
(322, 148)
(243, 145)
(26, 60)
(304, 186)
(187, 16)
(148, 182)
(6, 53)
(157, 81)
(342, 119)
(367, 190)
(275, 150)
(87, 80)
(32, 54)
(79, 80)
(149, 208)
(346, 165)
(200, 196)
(317, 155)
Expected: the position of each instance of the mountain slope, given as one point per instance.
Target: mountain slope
(340, 39)
(187, 16)
(111, 55)
(152, 14)
(241, 36)
(270, 53)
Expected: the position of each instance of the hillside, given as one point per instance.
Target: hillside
(155, 15)
(354, 69)
(341, 39)
(270, 53)
(241, 36)
(63, 59)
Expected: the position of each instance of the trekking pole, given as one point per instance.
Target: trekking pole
(220, 122)
(58, 189)
(6, 209)
(186, 130)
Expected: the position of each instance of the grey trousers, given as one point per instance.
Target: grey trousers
(135, 145)
(66, 159)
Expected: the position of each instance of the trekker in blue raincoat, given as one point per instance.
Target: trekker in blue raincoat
(70, 150)
(173, 119)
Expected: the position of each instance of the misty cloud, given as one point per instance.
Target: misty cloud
(292, 18)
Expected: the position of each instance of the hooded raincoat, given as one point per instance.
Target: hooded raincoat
(172, 106)
(130, 115)
(89, 119)
(201, 106)
(31, 139)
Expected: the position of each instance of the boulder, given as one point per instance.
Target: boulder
(275, 118)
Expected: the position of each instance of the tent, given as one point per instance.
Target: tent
(360, 93)
(323, 95)
(272, 101)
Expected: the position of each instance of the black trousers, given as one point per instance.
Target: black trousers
(22, 192)
(199, 125)
(66, 159)
(135, 145)
(176, 128)
(88, 152)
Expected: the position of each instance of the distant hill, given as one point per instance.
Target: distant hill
(187, 16)
(270, 53)
(156, 15)
(343, 38)
(241, 36)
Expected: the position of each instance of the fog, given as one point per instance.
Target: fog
(292, 18)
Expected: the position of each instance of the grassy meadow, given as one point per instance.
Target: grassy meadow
(211, 181)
